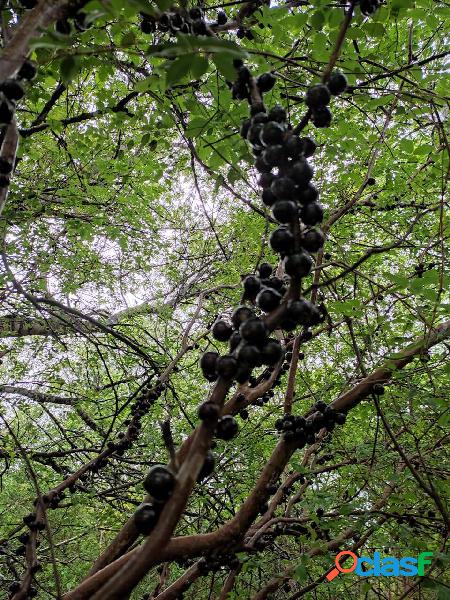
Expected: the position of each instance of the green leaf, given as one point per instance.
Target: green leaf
(178, 69)
(317, 20)
(68, 68)
(224, 64)
(199, 66)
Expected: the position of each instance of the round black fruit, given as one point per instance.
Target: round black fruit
(245, 126)
(265, 270)
(300, 311)
(337, 83)
(322, 117)
(265, 180)
(145, 518)
(249, 356)
(312, 213)
(222, 330)
(13, 89)
(271, 352)
(208, 411)
(227, 366)
(378, 389)
(252, 286)
(160, 482)
(281, 240)
(208, 466)
(63, 27)
(244, 373)
(272, 133)
(268, 299)
(253, 134)
(309, 146)
(227, 428)
(221, 17)
(265, 82)
(253, 330)
(278, 114)
(283, 188)
(261, 165)
(308, 194)
(340, 418)
(240, 315)
(273, 156)
(313, 240)
(268, 197)
(293, 146)
(317, 96)
(260, 117)
(301, 172)
(298, 264)
(196, 12)
(147, 26)
(235, 340)
(284, 211)
(5, 166)
(208, 361)
(27, 71)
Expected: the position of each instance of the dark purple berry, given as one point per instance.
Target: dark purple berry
(281, 240)
(208, 466)
(312, 213)
(160, 482)
(301, 172)
(226, 366)
(265, 82)
(268, 299)
(322, 117)
(252, 286)
(271, 352)
(309, 194)
(227, 428)
(253, 330)
(12, 89)
(249, 356)
(265, 270)
(284, 211)
(222, 330)
(268, 197)
(145, 518)
(221, 17)
(240, 315)
(272, 133)
(309, 146)
(337, 83)
(317, 96)
(27, 71)
(283, 188)
(278, 114)
(313, 240)
(298, 265)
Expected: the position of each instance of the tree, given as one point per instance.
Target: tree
(161, 167)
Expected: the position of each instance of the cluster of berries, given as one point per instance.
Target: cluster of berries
(241, 88)
(248, 339)
(212, 564)
(302, 430)
(178, 21)
(318, 97)
(159, 483)
(11, 91)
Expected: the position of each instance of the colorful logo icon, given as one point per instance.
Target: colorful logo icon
(378, 566)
